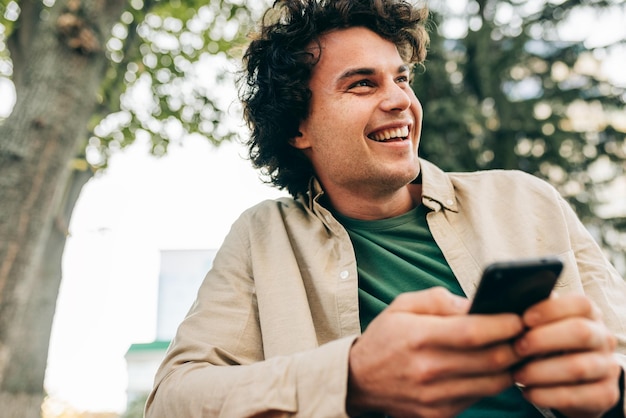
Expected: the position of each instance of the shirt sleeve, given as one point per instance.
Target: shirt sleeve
(603, 284)
(307, 384)
(216, 366)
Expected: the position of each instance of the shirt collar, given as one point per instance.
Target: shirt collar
(437, 189)
(315, 192)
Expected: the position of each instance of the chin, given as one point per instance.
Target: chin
(398, 181)
(413, 172)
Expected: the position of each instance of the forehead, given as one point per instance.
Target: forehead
(352, 48)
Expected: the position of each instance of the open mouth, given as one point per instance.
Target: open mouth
(390, 135)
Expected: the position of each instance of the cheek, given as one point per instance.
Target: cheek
(417, 109)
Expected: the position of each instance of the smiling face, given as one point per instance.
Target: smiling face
(363, 128)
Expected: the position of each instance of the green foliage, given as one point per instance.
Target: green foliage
(173, 73)
(511, 93)
(9, 12)
(170, 72)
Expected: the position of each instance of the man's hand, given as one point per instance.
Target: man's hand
(571, 368)
(424, 356)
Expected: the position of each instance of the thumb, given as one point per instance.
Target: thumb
(433, 301)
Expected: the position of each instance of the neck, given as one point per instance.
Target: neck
(371, 206)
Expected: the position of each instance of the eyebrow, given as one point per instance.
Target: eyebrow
(368, 71)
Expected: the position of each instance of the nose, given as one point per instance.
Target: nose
(396, 97)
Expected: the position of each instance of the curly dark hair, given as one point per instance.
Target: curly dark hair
(277, 70)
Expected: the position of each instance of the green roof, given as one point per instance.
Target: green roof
(153, 346)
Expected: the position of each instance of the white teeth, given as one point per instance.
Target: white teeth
(388, 134)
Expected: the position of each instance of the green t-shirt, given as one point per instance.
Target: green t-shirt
(399, 255)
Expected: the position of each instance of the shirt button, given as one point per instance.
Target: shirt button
(449, 202)
(344, 275)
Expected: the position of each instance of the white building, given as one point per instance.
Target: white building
(180, 275)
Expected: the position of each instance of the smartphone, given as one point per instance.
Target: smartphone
(514, 286)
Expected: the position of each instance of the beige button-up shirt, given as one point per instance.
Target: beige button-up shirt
(274, 319)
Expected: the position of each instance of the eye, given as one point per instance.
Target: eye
(361, 83)
(402, 79)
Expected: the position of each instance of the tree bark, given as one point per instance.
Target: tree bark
(59, 62)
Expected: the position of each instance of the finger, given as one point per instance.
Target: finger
(440, 364)
(556, 308)
(456, 389)
(433, 301)
(590, 399)
(567, 369)
(444, 398)
(465, 331)
(572, 334)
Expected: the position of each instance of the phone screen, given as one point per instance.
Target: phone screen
(516, 285)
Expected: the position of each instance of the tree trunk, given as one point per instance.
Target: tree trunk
(33, 327)
(59, 63)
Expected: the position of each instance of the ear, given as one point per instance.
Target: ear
(300, 141)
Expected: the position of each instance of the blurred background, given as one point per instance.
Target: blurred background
(122, 166)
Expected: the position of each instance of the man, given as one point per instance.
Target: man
(378, 240)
